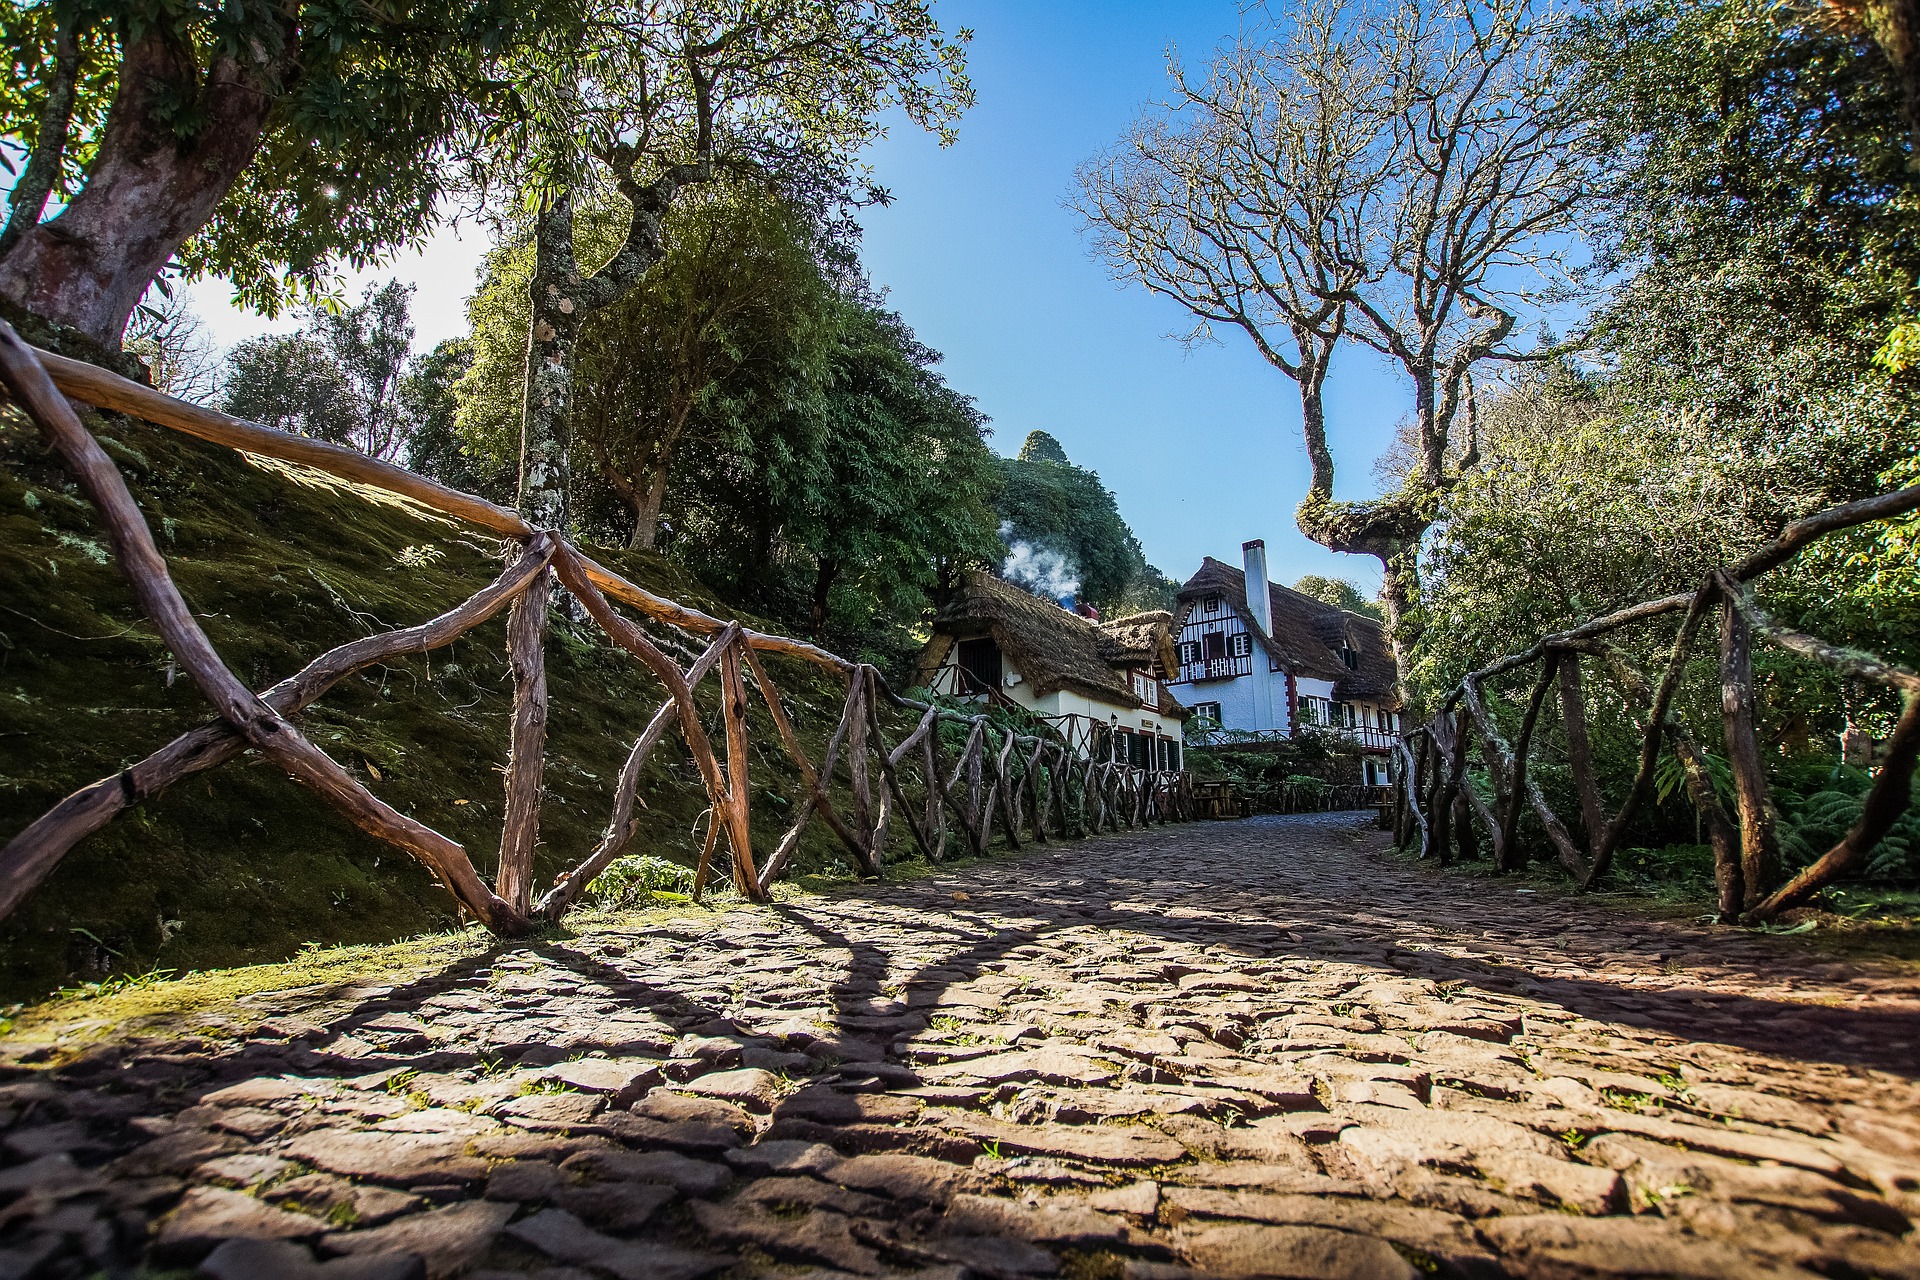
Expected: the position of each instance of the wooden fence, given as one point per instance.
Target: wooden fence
(1002, 778)
(1436, 800)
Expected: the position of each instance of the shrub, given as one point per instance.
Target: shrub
(635, 881)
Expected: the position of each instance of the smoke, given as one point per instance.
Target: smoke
(1041, 570)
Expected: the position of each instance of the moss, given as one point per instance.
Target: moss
(157, 1005)
(219, 1003)
(239, 865)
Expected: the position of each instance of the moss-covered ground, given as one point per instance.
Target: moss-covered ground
(239, 866)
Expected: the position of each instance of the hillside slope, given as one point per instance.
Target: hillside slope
(240, 865)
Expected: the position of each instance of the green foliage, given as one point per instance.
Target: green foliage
(1055, 506)
(732, 324)
(430, 407)
(1149, 590)
(1813, 824)
(368, 99)
(1341, 594)
(27, 34)
(793, 92)
(635, 881)
(794, 438)
(884, 487)
(1302, 766)
(1670, 778)
(1040, 446)
(289, 382)
(338, 379)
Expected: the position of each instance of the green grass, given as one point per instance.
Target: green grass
(239, 866)
(1851, 920)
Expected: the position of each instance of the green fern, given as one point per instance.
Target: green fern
(1815, 824)
(633, 881)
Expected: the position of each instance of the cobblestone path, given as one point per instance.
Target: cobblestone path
(1256, 1048)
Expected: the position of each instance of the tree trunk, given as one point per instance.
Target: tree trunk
(526, 755)
(147, 191)
(1573, 706)
(822, 588)
(646, 509)
(553, 328)
(1313, 407)
(41, 174)
(1759, 845)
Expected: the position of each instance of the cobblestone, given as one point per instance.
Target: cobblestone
(1259, 1048)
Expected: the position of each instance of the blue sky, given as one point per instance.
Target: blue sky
(981, 257)
(1202, 448)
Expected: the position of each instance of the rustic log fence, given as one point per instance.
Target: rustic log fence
(1019, 784)
(1436, 802)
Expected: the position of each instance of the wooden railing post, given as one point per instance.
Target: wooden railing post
(936, 821)
(1573, 712)
(526, 751)
(1037, 802)
(858, 774)
(1759, 845)
(1009, 794)
(733, 706)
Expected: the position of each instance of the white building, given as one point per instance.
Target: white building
(1272, 663)
(1102, 685)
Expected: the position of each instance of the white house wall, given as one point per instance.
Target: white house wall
(1255, 702)
(1061, 702)
(1249, 703)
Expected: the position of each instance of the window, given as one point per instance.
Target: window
(1242, 644)
(1351, 657)
(1213, 645)
(1173, 755)
(1211, 604)
(1189, 652)
(1146, 688)
(1207, 714)
(980, 668)
(1139, 751)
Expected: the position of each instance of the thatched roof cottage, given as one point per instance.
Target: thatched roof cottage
(1103, 685)
(1269, 665)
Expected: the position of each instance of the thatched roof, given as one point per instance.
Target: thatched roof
(1054, 648)
(1140, 640)
(1306, 634)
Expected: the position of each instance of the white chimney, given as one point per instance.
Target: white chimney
(1259, 602)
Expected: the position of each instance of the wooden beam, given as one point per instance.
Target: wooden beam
(32, 854)
(567, 889)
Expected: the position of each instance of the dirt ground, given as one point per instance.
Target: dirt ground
(1259, 1048)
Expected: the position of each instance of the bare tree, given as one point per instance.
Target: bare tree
(1402, 177)
(172, 341)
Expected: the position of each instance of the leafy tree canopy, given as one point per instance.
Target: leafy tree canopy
(263, 143)
(1050, 503)
(863, 496)
(1040, 446)
(337, 379)
(1341, 594)
(733, 316)
(777, 430)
